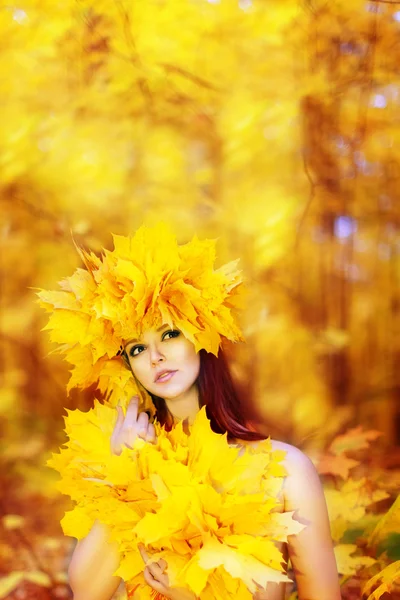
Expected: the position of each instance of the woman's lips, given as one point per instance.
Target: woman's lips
(165, 377)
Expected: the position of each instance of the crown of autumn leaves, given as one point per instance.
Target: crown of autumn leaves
(146, 281)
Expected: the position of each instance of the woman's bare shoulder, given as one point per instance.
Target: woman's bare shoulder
(302, 477)
(298, 468)
(294, 458)
(295, 461)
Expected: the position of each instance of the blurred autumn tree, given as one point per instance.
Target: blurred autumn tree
(271, 125)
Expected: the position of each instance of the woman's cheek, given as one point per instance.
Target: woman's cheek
(141, 373)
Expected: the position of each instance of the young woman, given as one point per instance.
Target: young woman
(166, 310)
(180, 381)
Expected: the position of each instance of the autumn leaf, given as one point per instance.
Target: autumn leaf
(348, 564)
(336, 465)
(389, 523)
(350, 501)
(353, 439)
(385, 579)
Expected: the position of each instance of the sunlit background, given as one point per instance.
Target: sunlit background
(272, 126)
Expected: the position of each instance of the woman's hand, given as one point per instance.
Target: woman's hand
(158, 580)
(128, 428)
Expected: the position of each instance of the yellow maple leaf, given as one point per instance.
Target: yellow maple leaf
(386, 578)
(353, 439)
(388, 523)
(347, 564)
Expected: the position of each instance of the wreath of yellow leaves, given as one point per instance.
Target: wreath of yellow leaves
(145, 281)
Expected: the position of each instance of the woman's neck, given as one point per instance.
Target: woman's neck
(185, 406)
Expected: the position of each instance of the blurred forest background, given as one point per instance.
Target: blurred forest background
(272, 126)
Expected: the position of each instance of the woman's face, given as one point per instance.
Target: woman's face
(159, 350)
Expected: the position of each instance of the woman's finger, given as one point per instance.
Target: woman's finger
(151, 433)
(161, 585)
(142, 424)
(156, 570)
(117, 429)
(131, 413)
(146, 558)
(153, 572)
(120, 419)
(143, 553)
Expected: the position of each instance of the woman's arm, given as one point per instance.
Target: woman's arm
(92, 565)
(95, 559)
(310, 551)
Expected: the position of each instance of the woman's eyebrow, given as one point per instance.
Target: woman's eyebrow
(135, 340)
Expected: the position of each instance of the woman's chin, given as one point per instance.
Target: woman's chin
(169, 392)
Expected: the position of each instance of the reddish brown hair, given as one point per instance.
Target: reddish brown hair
(218, 393)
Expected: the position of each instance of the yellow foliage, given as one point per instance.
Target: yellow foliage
(347, 564)
(259, 122)
(350, 501)
(13, 579)
(353, 439)
(191, 498)
(386, 578)
(389, 522)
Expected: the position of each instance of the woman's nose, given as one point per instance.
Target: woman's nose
(155, 356)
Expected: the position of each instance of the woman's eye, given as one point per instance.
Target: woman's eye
(132, 350)
(173, 333)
